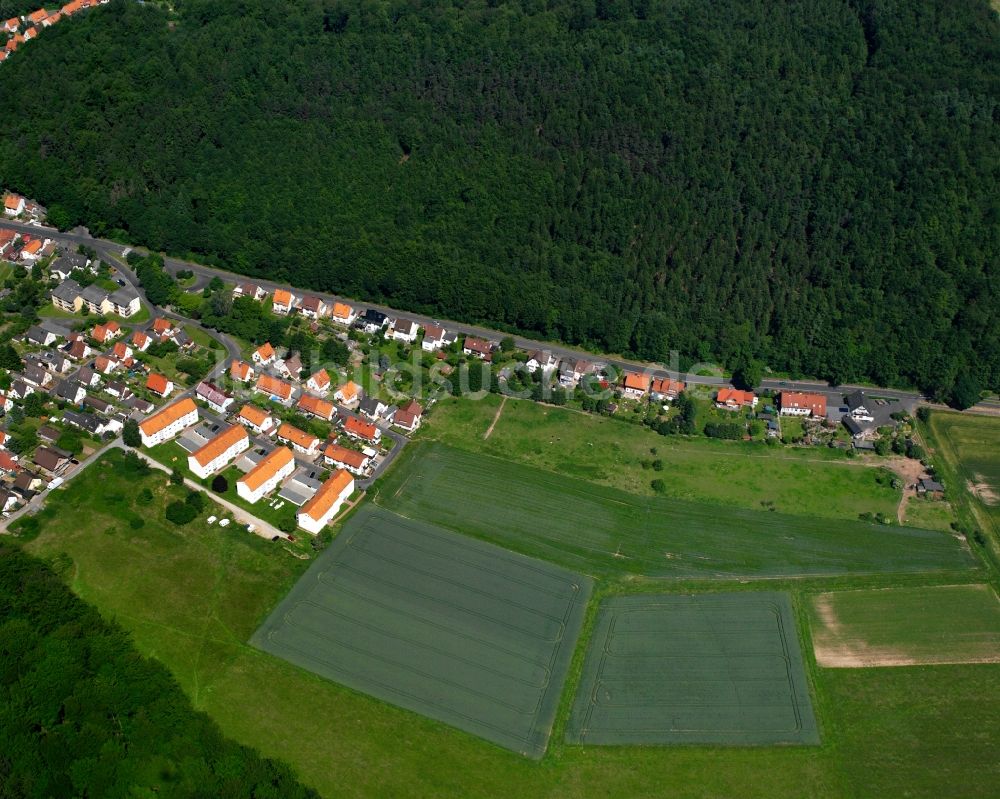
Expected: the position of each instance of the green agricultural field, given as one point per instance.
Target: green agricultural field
(450, 627)
(707, 668)
(906, 626)
(803, 481)
(192, 596)
(603, 531)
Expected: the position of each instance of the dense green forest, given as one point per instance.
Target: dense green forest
(811, 184)
(83, 714)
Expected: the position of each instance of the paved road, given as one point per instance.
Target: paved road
(81, 236)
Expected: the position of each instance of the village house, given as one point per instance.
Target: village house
(66, 296)
(326, 502)
(123, 352)
(250, 290)
(141, 341)
(300, 440)
(8, 463)
(928, 487)
(372, 407)
(277, 390)
(241, 371)
(403, 330)
(313, 307)
(264, 354)
(6, 403)
(319, 382)
(70, 391)
(636, 384)
(102, 334)
(436, 338)
(732, 399)
(32, 249)
(665, 389)
(408, 417)
(38, 337)
(119, 390)
(90, 423)
(36, 375)
(796, 403)
(344, 458)
(289, 367)
(284, 301)
(163, 327)
(348, 394)
(572, 372)
(540, 359)
(263, 478)
(219, 452)
(357, 428)
(478, 347)
(159, 384)
(313, 406)
(13, 204)
(79, 349)
(372, 321)
(257, 419)
(168, 422)
(217, 399)
(343, 314)
(858, 407)
(51, 459)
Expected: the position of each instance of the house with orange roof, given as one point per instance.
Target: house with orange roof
(141, 341)
(635, 384)
(732, 399)
(11, 25)
(313, 307)
(313, 406)
(257, 419)
(30, 33)
(168, 422)
(362, 430)
(219, 452)
(263, 478)
(319, 382)
(349, 393)
(32, 250)
(106, 332)
(666, 389)
(51, 20)
(3, 57)
(264, 354)
(122, 351)
(241, 370)
(343, 314)
(276, 389)
(796, 403)
(284, 301)
(300, 440)
(159, 384)
(315, 514)
(105, 365)
(37, 16)
(162, 326)
(480, 348)
(344, 458)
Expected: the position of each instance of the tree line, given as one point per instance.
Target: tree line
(809, 187)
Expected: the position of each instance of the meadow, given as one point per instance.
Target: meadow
(812, 481)
(192, 596)
(603, 531)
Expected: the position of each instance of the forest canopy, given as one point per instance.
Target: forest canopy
(809, 184)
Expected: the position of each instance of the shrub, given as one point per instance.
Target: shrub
(220, 485)
(136, 522)
(180, 513)
(144, 497)
(658, 486)
(658, 465)
(177, 477)
(196, 500)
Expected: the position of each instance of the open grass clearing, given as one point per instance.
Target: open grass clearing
(603, 531)
(446, 626)
(971, 446)
(906, 626)
(804, 481)
(704, 668)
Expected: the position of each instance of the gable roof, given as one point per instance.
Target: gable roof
(360, 428)
(735, 395)
(316, 406)
(157, 383)
(240, 370)
(167, 416)
(221, 443)
(637, 381)
(211, 393)
(320, 503)
(353, 458)
(290, 432)
(341, 310)
(265, 351)
(320, 379)
(349, 390)
(269, 466)
(282, 297)
(409, 413)
(274, 386)
(256, 416)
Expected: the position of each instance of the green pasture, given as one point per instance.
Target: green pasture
(447, 626)
(807, 481)
(704, 668)
(603, 531)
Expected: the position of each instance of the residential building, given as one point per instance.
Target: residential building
(313, 307)
(478, 347)
(796, 403)
(349, 393)
(79, 349)
(241, 371)
(733, 399)
(277, 390)
(159, 384)
(141, 341)
(665, 389)
(168, 422)
(636, 384)
(51, 459)
(13, 204)
(372, 321)
(859, 407)
(38, 337)
(264, 354)
(67, 296)
(263, 478)
(572, 372)
(257, 419)
(290, 366)
(122, 351)
(319, 382)
(314, 406)
(219, 452)
(300, 440)
(343, 314)
(541, 359)
(372, 407)
(357, 428)
(70, 391)
(94, 297)
(106, 332)
(326, 502)
(284, 301)
(251, 290)
(118, 390)
(409, 416)
(124, 302)
(344, 458)
(404, 330)
(91, 423)
(217, 399)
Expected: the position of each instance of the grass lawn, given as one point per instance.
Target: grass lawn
(51, 312)
(605, 531)
(192, 596)
(200, 337)
(929, 514)
(812, 482)
(907, 626)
